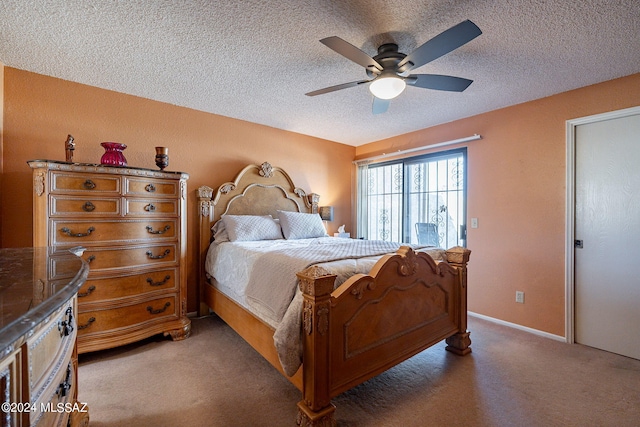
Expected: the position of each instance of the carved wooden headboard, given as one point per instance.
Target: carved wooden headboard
(256, 190)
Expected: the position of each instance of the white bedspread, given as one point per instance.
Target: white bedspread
(261, 276)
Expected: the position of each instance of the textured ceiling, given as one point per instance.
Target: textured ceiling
(255, 59)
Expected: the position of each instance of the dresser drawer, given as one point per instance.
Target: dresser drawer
(84, 206)
(128, 257)
(150, 187)
(137, 284)
(82, 232)
(50, 349)
(65, 182)
(57, 399)
(148, 207)
(95, 321)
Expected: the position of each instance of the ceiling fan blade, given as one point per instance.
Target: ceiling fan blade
(336, 87)
(438, 82)
(441, 44)
(352, 53)
(380, 105)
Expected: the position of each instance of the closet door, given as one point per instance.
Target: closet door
(607, 229)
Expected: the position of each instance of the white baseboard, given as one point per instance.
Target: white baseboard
(520, 327)
(194, 314)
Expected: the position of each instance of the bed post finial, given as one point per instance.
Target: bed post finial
(458, 256)
(315, 409)
(460, 342)
(204, 199)
(314, 200)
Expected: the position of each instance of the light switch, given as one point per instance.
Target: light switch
(474, 222)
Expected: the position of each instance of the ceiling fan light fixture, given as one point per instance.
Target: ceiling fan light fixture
(387, 87)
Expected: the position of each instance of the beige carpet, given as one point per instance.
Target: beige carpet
(512, 378)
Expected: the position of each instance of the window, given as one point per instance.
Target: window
(394, 197)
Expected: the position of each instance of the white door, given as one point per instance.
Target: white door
(607, 222)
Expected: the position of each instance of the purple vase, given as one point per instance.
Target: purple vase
(113, 154)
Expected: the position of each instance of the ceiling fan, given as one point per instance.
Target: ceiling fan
(389, 69)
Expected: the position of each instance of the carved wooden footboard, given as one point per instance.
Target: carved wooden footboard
(373, 322)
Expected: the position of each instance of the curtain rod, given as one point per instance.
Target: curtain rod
(411, 150)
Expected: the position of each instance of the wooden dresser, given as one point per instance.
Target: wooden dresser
(38, 330)
(132, 222)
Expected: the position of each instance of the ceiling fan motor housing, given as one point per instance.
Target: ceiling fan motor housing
(389, 57)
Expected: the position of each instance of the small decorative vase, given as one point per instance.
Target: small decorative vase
(162, 157)
(113, 154)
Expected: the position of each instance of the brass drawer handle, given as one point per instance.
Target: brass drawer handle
(150, 207)
(160, 310)
(89, 185)
(152, 256)
(86, 325)
(88, 207)
(164, 230)
(69, 233)
(150, 188)
(152, 283)
(65, 327)
(89, 290)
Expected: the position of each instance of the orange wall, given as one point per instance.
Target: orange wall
(40, 111)
(516, 189)
(516, 185)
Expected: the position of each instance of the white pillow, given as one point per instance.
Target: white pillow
(251, 227)
(220, 232)
(298, 225)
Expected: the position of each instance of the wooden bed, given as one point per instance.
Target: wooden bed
(407, 303)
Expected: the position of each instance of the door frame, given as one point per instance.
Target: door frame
(571, 208)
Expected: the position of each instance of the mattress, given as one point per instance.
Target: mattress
(260, 276)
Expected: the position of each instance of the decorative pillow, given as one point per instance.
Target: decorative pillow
(298, 225)
(251, 227)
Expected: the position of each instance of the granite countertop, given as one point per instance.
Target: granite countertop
(33, 283)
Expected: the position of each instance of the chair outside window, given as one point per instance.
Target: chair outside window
(427, 233)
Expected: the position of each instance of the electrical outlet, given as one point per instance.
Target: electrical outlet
(520, 297)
